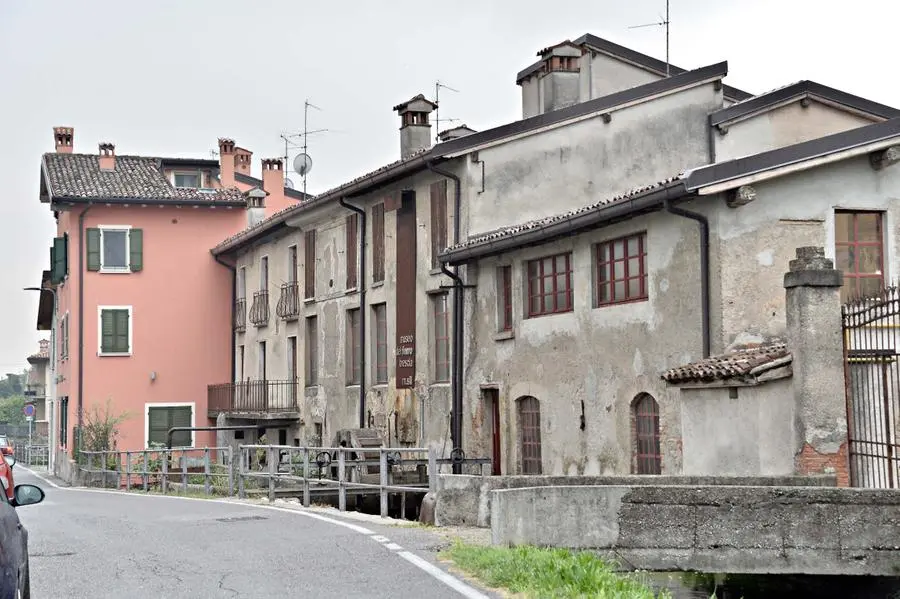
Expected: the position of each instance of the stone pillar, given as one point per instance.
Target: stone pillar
(813, 311)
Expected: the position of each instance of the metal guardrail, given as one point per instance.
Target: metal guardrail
(206, 469)
(36, 455)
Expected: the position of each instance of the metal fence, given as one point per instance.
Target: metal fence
(36, 455)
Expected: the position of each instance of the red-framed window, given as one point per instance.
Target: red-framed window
(621, 270)
(441, 314)
(504, 296)
(550, 285)
(647, 453)
(859, 252)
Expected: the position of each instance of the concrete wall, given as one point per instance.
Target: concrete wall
(748, 435)
(783, 126)
(602, 75)
(739, 530)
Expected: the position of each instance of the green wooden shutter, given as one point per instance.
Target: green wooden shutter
(93, 249)
(66, 252)
(107, 331)
(58, 266)
(123, 343)
(158, 423)
(181, 416)
(136, 245)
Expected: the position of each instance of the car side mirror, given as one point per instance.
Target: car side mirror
(28, 495)
(10, 459)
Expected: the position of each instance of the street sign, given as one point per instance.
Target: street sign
(29, 410)
(29, 418)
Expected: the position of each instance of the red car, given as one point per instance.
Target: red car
(6, 448)
(6, 476)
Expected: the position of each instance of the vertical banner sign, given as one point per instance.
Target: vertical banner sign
(406, 291)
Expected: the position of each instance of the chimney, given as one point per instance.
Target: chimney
(273, 182)
(64, 138)
(226, 162)
(455, 132)
(256, 206)
(415, 128)
(554, 82)
(44, 345)
(107, 157)
(242, 160)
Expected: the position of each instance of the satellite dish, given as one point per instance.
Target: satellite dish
(302, 164)
(288, 183)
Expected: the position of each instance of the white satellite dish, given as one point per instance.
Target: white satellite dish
(288, 183)
(302, 164)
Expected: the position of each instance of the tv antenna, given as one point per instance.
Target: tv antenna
(302, 162)
(437, 110)
(664, 22)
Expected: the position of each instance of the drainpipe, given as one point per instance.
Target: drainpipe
(81, 251)
(704, 266)
(362, 307)
(233, 270)
(457, 365)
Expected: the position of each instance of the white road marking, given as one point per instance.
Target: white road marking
(429, 568)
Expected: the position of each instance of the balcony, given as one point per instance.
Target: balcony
(240, 315)
(288, 306)
(259, 310)
(34, 391)
(266, 400)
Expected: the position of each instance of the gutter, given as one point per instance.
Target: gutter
(81, 272)
(361, 256)
(148, 202)
(456, 389)
(233, 270)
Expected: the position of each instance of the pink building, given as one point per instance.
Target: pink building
(141, 315)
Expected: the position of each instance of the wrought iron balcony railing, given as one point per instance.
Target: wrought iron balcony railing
(240, 315)
(288, 306)
(259, 310)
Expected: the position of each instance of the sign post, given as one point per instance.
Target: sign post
(28, 409)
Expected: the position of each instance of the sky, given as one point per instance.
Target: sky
(168, 78)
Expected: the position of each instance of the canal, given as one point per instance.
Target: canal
(693, 585)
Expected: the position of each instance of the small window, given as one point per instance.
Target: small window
(378, 243)
(161, 419)
(504, 298)
(621, 270)
(353, 347)
(309, 265)
(529, 420)
(859, 252)
(191, 180)
(440, 314)
(647, 453)
(115, 331)
(312, 352)
(115, 249)
(381, 345)
(550, 285)
(352, 251)
(264, 273)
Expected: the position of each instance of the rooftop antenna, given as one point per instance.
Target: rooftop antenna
(437, 110)
(664, 22)
(302, 162)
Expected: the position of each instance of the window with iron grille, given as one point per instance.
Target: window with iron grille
(379, 312)
(859, 252)
(353, 347)
(550, 285)
(621, 270)
(310, 264)
(504, 297)
(352, 224)
(528, 411)
(440, 314)
(647, 454)
(378, 243)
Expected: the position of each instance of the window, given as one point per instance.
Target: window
(438, 221)
(187, 180)
(353, 347)
(352, 251)
(528, 411)
(63, 421)
(621, 274)
(160, 418)
(310, 266)
(115, 249)
(114, 330)
(378, 243)
(64, 337)
(242, 283)
(59, 259)
(240, 364)
(292, 264)
(379, 313)
(292, 358)
(261, 364)
(859, 252)
(441, 338)
(264, 273)
(647, 455)
(312, 352)
(550, 285)
(504, 297)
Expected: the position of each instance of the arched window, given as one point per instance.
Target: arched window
(528, 410)
(647, 454)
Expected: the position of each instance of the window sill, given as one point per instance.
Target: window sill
(113, 354)
(440, 384)
(504, 335)
(309, 300)
(351, 385)
(351, 291)
(377, 284)
(435, 271)
(626, 302)
(115, 271)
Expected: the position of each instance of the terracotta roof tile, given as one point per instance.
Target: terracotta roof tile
(734, 364)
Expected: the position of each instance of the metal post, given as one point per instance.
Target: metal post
(206, 467)
(165, 472)
(432, 470)
(184, 478)
(230, 454)
(241, 492)
(306, 477)
(383, 475)
(270, 453)
(342, 490)
(145, 473)
(127, 470)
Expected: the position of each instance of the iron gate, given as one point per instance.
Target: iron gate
(870, 331)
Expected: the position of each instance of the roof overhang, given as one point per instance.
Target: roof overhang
(172, 203)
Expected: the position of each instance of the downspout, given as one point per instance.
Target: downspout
(458, 339)
(81, 251)
(704, 267)
(233, 270)
(362, 307)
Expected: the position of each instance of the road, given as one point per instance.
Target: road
(97, 544)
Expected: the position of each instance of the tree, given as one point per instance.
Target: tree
(11, 410)
(100, 431)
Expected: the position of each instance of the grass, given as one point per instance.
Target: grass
(538, 573)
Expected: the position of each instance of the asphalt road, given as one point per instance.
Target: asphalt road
(97, 544)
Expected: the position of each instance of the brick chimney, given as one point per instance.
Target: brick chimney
(273, 184)
(107, 157)
(242, 160)
(415, 128)
(226, 162)
(64, 138)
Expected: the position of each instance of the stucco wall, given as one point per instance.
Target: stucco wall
(602, 75)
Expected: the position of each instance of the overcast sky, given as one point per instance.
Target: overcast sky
(170, 77)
